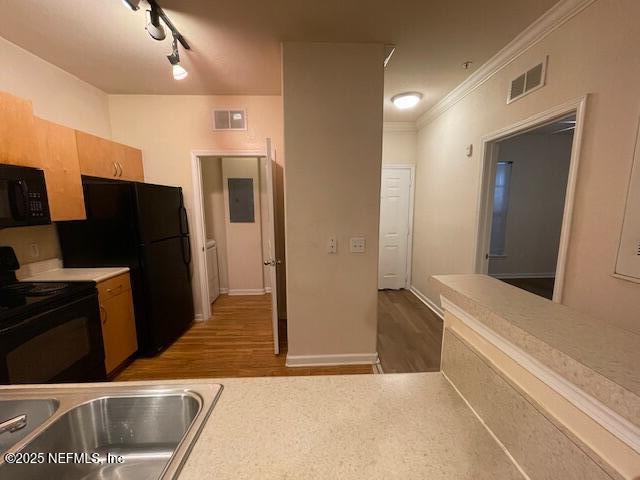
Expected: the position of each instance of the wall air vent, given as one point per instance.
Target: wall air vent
(230, 119)
(527, 82)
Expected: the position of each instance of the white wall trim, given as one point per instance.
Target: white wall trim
(487, 176)
(246, 291)
(399, 127)
(427, 301)
(507, 276)
(224, 291)
(331, 360)
(553, 18)
(200, 237)
(619, 426)
(267, 289)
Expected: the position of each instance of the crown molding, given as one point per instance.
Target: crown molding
(534, 33)
(399, 127)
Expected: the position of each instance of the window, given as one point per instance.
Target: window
(500, 208)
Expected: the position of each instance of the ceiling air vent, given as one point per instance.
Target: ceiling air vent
(527, 82)
(230, 119)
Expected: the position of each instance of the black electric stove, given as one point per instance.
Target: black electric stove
(49, 331)
(20, 299)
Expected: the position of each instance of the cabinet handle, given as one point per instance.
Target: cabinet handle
(120, 167)
(103, 318)
(115, 169)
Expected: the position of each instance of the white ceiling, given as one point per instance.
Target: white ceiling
(236, 43)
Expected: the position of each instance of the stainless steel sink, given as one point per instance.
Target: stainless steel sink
(113, 432)
(36, 411)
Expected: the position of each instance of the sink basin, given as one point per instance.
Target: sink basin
(37, 411)
(116, 433)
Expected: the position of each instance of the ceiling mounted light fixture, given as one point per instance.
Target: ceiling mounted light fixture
(132, 4)
(179, 72)
(154, 27)
(406, 100)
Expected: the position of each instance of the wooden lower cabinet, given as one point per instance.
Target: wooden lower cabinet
(118, 321)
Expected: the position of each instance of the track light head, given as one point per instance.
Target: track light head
(179, 72)
(132, 4)
(154, 27)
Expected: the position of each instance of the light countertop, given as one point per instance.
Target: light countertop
(405, 426)
(599, 358)
(77, 274)
(409, 426)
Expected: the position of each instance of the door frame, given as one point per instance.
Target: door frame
(200, 257)
(412, 189)
(487, 178)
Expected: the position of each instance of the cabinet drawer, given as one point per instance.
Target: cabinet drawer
(114, 286)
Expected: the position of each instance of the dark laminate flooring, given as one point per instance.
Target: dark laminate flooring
(409, 333)
(539, 286)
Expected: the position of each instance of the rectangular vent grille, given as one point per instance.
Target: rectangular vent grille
(230, 119)
(638, 248)
(528, 82)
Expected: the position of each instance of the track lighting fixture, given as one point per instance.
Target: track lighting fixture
(154, 27)
(179, 73)
(132, 4)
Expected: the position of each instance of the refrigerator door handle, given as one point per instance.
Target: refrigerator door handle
(186, 254)
(184, 221)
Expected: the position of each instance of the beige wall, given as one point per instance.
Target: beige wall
(169, 127)
(244, 240)
(334, 156)
(59, 97)
(399, 143)
(536, 203)
(214, 212)
(591, 53)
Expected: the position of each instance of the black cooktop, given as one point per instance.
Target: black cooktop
(17, 298)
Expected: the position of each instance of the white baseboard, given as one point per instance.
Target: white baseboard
(427, 301)
(331, 360)
(246, 291)
(507, 276)
(224, 291)
(267, 289)
(199, 317)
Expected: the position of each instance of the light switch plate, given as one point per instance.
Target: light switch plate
(357, 245)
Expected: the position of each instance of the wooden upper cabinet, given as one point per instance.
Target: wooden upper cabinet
(58, 157)
(100, 157)
(18, 145)
(132, 168)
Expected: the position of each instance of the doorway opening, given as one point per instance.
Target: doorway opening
(409, 332)
(529, 181)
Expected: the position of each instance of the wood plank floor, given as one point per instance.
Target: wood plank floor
(409, 333)
(236, 342)
(539, 286)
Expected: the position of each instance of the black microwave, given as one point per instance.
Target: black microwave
(23, 197)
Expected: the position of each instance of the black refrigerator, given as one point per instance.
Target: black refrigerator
(144, 227)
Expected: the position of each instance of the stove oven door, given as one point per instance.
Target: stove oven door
(63, 344)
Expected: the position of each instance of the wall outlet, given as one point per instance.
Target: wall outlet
(357, 245)
(34, 250)
(332, 245)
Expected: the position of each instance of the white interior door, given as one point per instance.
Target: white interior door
(272, 261)
(395, 202)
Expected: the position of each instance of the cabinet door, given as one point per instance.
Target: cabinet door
(98, 157)
(118, 329)
(132, 168)
(58, 157)
(18, 144)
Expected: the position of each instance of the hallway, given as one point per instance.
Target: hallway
(409, 333)
(235, 342)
